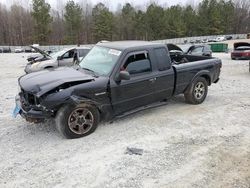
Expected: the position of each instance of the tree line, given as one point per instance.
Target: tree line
(81, 23)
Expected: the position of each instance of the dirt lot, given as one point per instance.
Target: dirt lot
(207, 145)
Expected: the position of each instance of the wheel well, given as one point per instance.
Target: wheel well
(48, 67)
(208, 79)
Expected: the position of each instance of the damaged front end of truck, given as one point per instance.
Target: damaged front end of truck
(40, 96)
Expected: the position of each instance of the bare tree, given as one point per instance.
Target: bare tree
(4, 34)
(241, 16)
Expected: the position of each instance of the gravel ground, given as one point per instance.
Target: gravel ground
(184, 145)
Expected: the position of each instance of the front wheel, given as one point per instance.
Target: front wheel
(197, 91)
(77, 121)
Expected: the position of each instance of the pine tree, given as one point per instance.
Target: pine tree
(128, 21)
(176, 25)
(42, 20)
(102, 23)
(73, 21)
(155, 22)
(190, 20)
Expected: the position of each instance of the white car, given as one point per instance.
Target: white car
(66, 57)
(220, 39)
(19, 50)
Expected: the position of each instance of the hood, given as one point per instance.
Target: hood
(239, 44)
(173, 47)
(46, 62)
(185, 47)
(41, 82)
(32, 58)
(45, 54)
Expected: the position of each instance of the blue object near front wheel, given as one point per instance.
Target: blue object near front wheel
(16, 111)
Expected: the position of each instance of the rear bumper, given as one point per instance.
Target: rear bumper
(33, 113)
(241, 58)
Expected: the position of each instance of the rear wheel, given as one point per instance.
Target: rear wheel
(77, 121)
(197, 91)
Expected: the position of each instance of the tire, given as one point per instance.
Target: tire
(197, 91)
(77, 121)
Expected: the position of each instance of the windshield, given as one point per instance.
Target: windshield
(243, 48)
(100, 60)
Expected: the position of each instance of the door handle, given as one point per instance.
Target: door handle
(152, 80)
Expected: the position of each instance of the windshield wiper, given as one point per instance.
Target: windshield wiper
(88, 70)
(95, 74)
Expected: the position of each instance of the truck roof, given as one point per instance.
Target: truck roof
(122, 45)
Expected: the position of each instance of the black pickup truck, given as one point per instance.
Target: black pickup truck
(113, 80)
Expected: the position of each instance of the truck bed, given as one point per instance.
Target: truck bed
(187, 67)
(184, 58)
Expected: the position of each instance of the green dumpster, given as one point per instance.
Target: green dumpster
(219, 47)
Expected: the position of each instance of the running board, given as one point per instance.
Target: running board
(153, 105)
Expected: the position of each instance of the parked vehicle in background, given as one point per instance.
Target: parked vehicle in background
(241, 51)
(200, 49)
(28, 49)
(217, 39)
(212, 40)
(19, 50)
(220, 39)
(192, 41)
(66, 57)
(114, 79)
(195, 49)
(228, 37)
(6, 50)
(198, 41)
(204, 41)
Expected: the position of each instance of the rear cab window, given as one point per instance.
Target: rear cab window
(163, 59)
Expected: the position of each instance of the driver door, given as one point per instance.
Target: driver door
(67, 58)
(139, 90)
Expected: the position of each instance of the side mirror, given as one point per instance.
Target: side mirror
(59, 58)
(123, 75)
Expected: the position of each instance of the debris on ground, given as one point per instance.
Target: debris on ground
(134, 151)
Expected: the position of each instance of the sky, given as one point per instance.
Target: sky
(112, 4)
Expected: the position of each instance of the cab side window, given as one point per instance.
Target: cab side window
(83, 52)
(138, 64)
